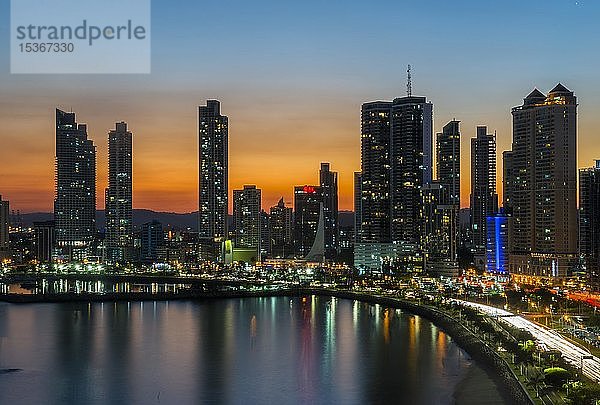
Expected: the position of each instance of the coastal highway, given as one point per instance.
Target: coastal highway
(548, 339)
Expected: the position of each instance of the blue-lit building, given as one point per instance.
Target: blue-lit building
(497, 243)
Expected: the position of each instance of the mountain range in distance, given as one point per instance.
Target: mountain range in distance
(170, 220)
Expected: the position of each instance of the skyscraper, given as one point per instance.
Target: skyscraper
(448, 160)
(329, 191)
(213, 176)
(589, 221)
(396, 161)
(375, 184)
(440, 230)
(152, 237)
(308, 209)
(484, 200)
(411, 164)
(544, 184)
(507, 179)
(497, 243)
(357, 206)
(247, 218)
(4, 223)
(44, 240)
(119, 218)
(75, 193)
(281, 230)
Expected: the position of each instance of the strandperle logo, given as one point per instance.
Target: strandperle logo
(80, 36)
(87, 32)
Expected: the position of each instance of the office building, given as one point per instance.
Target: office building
(329, 194)
(507, 179)
(213, 178)
(544, 185)
(308, 220)
(281, 230)
(265, 235)
(357, 206)
(247, 218)
(75, 193)
(484, 199)
(396, 161)
(440, 230)
(498, 243)
(589, 222)
(4, 228)
(118, 207)
(448, 160)
(44, 240)
(152, 239)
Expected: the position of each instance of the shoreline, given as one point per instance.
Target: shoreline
(510, 387)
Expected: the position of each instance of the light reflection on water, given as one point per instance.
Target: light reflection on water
(253, 350)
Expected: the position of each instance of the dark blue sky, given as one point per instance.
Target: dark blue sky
(292, 75)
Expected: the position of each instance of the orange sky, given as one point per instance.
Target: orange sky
(275, 143)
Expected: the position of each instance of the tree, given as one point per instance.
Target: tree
(556, 376)
(583, 394)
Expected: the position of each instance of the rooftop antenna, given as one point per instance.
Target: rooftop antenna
(409, 83)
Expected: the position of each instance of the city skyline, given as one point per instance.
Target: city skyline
(312, 90)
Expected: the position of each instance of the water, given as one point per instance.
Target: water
(311, 350)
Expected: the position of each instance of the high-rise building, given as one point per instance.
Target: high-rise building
(448, 206)
(329, 193)
(281, 230)
(213, 176)
(75, 193)
(265, 235)
(484, 200)
(440, 230)
(498, 243)
(308, 210)
(152, 238)
(246, 217)
(589, 222)
(44, 240)
(4, 225)
(357, 206)
(544, 185)
(448, 160)
(375, 186)
(118, 206)
(411, 145)
(507, 179)
(396, 161)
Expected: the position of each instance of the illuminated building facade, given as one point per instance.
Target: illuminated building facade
(213, 179)
(280, 230)
(152, 238)
(396, 161)
(448, 160)
(329, 193)
(308, 207)
(357, 206)
(507, 179)
(589, 221)
(4, 225)
(247, 218)
(544, 185)
(484, 200)
(440, 230)
(498, 243)
(44, 240)
(118, 206)
(75, 193)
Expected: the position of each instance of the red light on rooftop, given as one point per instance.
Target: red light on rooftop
(309, 189)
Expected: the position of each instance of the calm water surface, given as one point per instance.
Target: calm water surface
(311, 350)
